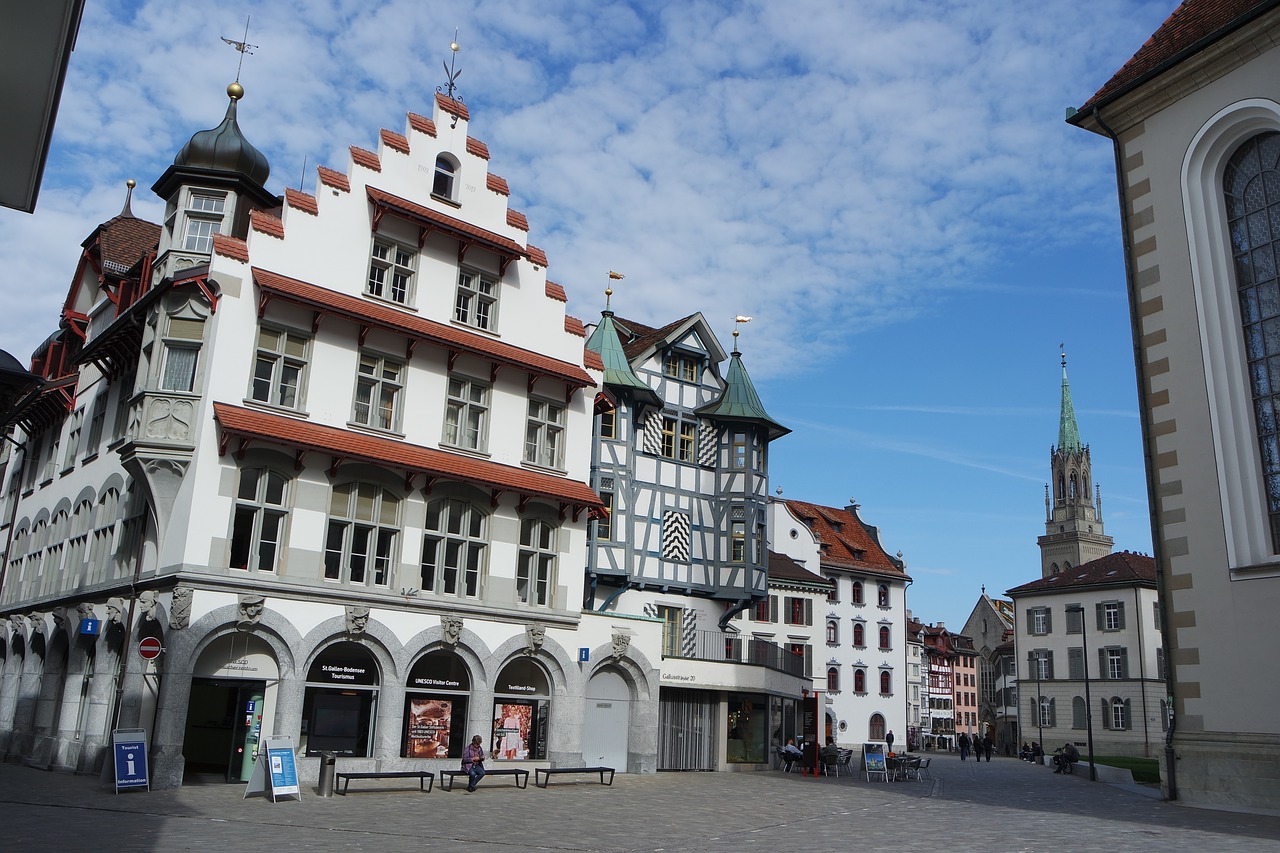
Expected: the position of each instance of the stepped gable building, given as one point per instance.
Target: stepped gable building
(333, 451)
(865, 616)
(1194, 123)
(1100, 620)
(680, 461)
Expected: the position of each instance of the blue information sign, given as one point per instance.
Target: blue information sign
(584, 655)
(130, 746)
(284, 771)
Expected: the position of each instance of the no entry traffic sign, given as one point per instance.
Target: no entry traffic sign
(149, 648)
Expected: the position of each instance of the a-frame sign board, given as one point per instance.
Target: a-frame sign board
(275, 770)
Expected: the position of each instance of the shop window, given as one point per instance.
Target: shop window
(748, 720)
(521, 712)
(340, 703)
(435, 707)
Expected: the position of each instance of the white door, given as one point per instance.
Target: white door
(605, 721)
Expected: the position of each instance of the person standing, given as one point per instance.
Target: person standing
(889, 739)
(988, 746)
(963, 741)
(473, 762)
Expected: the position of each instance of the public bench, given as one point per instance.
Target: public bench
(521, 777)
(426, 779)
(542, 775)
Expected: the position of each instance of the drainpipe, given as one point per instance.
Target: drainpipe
(1170, 756)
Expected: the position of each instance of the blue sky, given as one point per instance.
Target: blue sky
(889, 188)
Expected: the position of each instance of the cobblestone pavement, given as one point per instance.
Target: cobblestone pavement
(1005, 805)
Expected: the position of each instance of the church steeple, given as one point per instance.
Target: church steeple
(1073, 516)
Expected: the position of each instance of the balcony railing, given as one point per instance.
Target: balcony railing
(726, 648)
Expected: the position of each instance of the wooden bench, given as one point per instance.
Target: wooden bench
(425, 778)
(542, 775)
(521, 777)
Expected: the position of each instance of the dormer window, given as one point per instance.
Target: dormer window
(681, 366)
(443, 184)
(204, 216)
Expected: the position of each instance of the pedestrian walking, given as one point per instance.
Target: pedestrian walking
(988, 746)
(963, 740)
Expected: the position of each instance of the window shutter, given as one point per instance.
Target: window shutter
(808, 611)
(1048, 665)
(1102, 664)
(1031, 621)
(1128, 717)
(773, 608)
(1120, 614)
(1075, 664)
(1124, 664)
(1053, 713)
(1106, 714)
(1048, 621)
(1102, 617)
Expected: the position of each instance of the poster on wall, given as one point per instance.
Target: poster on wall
(512, 725)
(428, 735)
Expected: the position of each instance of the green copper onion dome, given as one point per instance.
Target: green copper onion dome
(224, 148)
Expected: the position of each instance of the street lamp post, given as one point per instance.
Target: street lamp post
(1088, 701)
(1033, 659)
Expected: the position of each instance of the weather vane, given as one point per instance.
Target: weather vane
(242, 46)
(451, 88)
(608, 291)
(737, 321)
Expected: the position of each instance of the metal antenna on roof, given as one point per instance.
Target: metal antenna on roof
(608, 291)
(242, 46)
(302, 180)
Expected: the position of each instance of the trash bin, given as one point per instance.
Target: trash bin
(328, 766)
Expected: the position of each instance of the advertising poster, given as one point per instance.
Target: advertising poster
(428, 735)
(512, 723)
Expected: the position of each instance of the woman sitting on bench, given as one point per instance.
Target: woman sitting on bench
(473, 762)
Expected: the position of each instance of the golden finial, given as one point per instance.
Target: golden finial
(131, 183)
(737, 321)
(235, 91)
(608, 291)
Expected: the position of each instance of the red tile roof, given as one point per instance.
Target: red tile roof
(497, 184)
(592, 360)
(303, 201)
(365, 158)
(231, 247)
(574, 326)
(1123, 568)
(538, 256)
(395, 140)
(347, 445)
(478, 148)
(453, 107)
(847, 542)
(422, 124)
(1193, 26)
(637, 337)
(516, 219)
(556, 292)
(496, 243)
(266, 223)
(123, 240)
(411, 325)
(337, 180)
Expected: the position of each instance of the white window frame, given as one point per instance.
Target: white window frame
(444, 179)
(455, 548)
(544, 433)
(361, 547)
(379, 388)
(261, 517)
(536, 566)
(392, 271)
(204, 213)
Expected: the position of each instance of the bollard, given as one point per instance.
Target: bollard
(328, 766)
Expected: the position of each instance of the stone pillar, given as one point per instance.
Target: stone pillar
(25, 709)
(10, 678)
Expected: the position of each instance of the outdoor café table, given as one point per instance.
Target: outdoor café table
(898, 765)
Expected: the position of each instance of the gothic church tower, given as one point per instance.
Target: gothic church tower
(1073, 532)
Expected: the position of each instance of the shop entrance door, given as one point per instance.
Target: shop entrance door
(224, 725)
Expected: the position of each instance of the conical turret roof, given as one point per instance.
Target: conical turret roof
(1068, 432)
(740, 402)
(224, 147)
(604, 342)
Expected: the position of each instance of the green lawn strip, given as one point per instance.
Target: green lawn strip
(1143, 769)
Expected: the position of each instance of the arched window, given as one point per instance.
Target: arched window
(364, 524)
(859, 681)
(886, 682)
(833, 632)
(53, 557)
(875, 731)
(1251, 188)
(257, 530)
(81, 522)
(1078, 713)
(833, 679)
(1062, 488)
(104, 532)
(884, 638)
(1053, 570)
(857, 592)
(859, 635)
(882, 595)
(454, 548)
(1119, 713)
(1074, 486)
(444, 179)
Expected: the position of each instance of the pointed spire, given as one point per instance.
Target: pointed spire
(1068, 432)
(604, 342)
(127, 211)
(740, 402)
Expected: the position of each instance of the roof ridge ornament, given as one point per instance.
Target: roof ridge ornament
(450, 89)
(608, 291)
(242, 46)
(737, 321)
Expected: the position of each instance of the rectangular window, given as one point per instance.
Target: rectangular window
(681, 366)
(669, 438)
(1075, 620)
(766, 610)
(466, 418)
(688, 442)
(1155, 611)
(1075, 664)
(97, 420)
(1115, 663)
(378, 387)
(181, 354)
(609, 423)
(604, 525)
(805, 653)
(1160, 663)
(1111, 616)
(535, 571)
(544, 434)
(738, 542)
(672, 624)
(391, 271)
(204, 219)
(738, 450)
(799, 610)
(476, 303)
(1038, 620)
(73, 439)
(279, 369)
